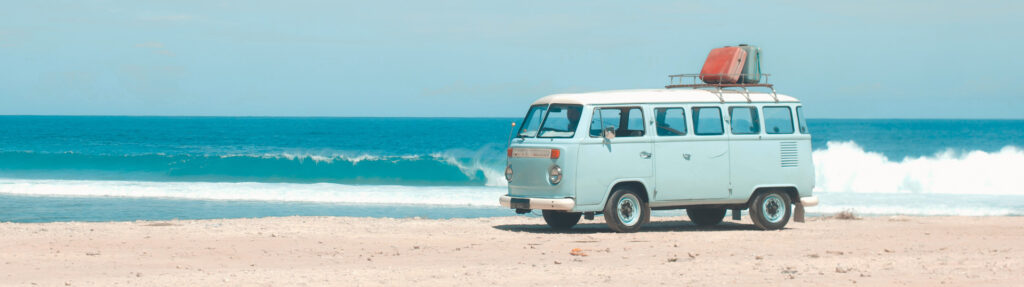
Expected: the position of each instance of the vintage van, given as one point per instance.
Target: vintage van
(625, 153)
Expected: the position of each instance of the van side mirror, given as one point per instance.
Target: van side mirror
(608, 133)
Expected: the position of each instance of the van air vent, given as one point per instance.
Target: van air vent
(788, 154)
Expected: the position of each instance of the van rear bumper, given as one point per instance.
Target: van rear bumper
(537, 203)
(809, 201)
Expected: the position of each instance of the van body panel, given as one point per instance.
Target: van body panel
(692, 167)
(676, 204)
(599, 206)
(530, 175)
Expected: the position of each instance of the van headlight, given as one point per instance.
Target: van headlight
(555, 174)
(508, 173)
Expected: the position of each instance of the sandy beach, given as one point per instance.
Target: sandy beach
(319, 251)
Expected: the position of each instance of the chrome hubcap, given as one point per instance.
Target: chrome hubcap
(628, 209)
(773, 208)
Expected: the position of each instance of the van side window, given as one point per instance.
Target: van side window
(626, 122)
(604, 118)
(800, 119)
(670, 121)
(707, 121)
(778, 120)
(635, 126)
(744, 120)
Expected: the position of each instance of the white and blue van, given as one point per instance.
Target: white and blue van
(625, 153)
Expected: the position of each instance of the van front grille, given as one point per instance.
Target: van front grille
(788, 154)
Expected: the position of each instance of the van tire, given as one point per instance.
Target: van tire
(561, 220)
(771, 210)
(626, 211)
(702, 216)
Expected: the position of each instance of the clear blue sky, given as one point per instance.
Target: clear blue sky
(863, 59)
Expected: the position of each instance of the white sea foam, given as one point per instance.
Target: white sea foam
(895, 209)
(846, 167)
(315, 192)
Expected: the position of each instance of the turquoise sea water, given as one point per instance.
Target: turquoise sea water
(129, 168)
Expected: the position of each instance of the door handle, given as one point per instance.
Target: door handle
(645, 154)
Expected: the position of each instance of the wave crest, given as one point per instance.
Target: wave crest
(846, 167)
(449, 168)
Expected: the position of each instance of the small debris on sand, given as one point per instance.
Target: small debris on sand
(846, 215)
(899, 218)
(577, 252)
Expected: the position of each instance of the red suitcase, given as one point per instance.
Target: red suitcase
(723, 66)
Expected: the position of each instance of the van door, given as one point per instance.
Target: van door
(605, 161)
(691, 165)
(752, 162)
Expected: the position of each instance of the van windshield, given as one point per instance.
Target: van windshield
(554, 121)
(531, 124)
(561, 121)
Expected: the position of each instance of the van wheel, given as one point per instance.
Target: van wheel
(771, 210)
(625, 211)
(561, 220)
(705, 216)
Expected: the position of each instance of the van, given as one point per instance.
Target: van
(625, 153)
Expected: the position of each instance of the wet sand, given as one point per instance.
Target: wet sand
(318, 251)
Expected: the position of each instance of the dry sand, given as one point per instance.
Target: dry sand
(915, 251)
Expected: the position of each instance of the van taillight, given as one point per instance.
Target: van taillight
(555, 153)
(509, 154)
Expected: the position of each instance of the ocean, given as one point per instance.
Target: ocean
(56, 168)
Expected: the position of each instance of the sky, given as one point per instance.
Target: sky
(466, 58)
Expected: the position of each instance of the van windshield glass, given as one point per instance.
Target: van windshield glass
(531, 124)
(561, 121)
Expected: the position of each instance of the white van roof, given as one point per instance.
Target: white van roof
(656, 96)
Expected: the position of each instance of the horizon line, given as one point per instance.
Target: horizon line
(430, 117)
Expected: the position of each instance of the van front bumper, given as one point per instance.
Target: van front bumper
(537, 203)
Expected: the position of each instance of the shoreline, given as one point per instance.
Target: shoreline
(889, 251)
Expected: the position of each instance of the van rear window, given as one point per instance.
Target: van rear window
(800, 119)
(778, 120)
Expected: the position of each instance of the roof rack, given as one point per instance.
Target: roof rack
(680, 81)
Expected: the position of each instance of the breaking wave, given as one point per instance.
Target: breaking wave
(845, 167)
(445, 168)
